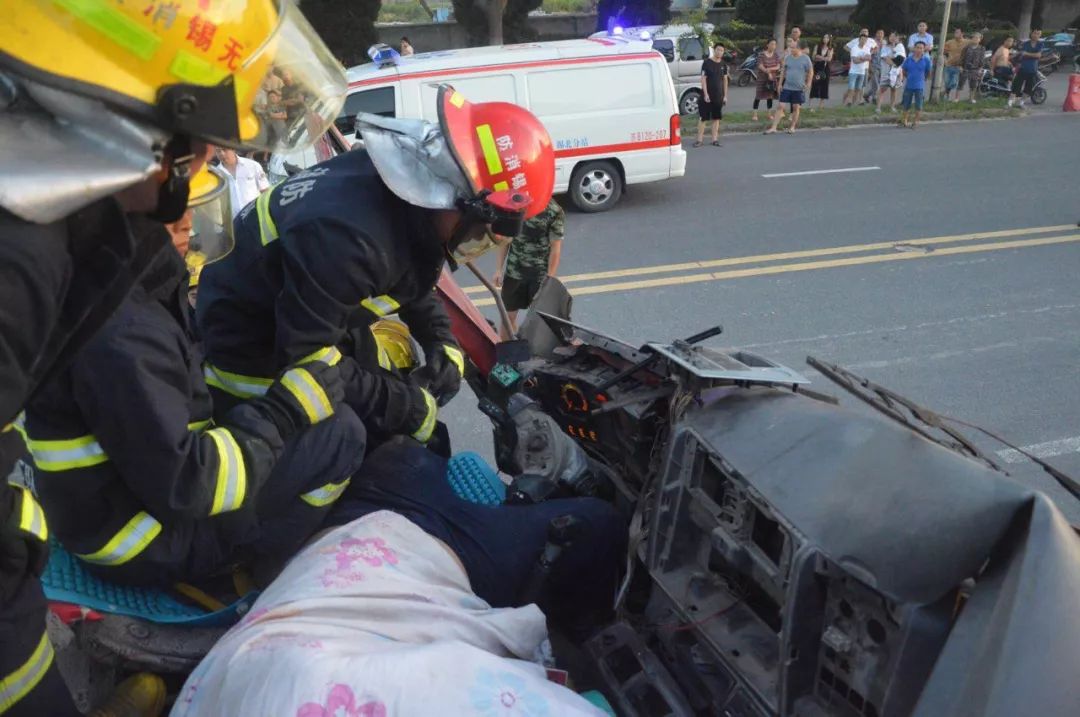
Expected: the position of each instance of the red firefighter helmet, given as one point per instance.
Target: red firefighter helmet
(504, 151)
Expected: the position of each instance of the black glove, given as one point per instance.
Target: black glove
(303, 396)
(442, 372)
(423, 414)
(23, 550)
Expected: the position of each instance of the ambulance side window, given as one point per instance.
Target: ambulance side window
(485, 88)
(378, 100)
(623, 86)
(665, 48)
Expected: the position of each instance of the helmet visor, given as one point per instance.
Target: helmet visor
(211, 222)
(302, 90)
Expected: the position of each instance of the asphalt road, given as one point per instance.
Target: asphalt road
(982, 327)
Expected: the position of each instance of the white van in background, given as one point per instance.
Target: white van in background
(608, 104)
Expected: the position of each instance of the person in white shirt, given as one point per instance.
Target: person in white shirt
(246, 177)
(861, 50)
(890, 70)
(921, 36)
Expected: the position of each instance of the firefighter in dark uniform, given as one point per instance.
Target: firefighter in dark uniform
(104, 111)
(135, 478)
(365, 235)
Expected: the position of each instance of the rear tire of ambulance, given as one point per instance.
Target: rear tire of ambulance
(596, 186)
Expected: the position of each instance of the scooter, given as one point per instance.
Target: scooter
(747, 72)
(991, 85)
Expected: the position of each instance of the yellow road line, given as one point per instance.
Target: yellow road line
(802, 254)
(809, 266)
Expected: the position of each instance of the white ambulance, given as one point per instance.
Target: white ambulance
(608, 104)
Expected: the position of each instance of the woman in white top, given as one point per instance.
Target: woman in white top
(890, 70)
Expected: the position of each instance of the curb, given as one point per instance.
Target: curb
(748, 128)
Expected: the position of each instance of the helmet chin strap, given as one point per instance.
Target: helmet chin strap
(173, 193)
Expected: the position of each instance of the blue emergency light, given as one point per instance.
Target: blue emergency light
(383, 55)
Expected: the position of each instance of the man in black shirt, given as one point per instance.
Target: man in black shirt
(714, 85)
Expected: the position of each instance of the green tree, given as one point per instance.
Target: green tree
(493, 22)
(633, 13)
(763, 12)
(1009, 10)
(346, 26)
(899, 15)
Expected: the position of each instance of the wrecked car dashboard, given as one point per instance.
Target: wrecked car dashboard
(793, 556)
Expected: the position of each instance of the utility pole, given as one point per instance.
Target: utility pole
(939, 66)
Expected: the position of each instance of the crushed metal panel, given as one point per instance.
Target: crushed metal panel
(741, 366)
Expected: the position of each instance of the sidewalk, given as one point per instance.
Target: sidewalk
(738, 112)
(742, 98)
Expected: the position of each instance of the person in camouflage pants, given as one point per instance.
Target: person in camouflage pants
(529, 259)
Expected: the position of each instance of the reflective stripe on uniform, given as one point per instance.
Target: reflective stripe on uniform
(231, 484)
(308, 393)
(322, 497)
(19, 683)
(32, 517)
(199, 426)
(236, 384)
(267, 229)
(454, 354)
(128, 542)
(67, 454)
(327, 354)
(381, 305)
(423, 434)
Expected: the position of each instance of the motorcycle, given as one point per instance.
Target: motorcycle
(747, 71)
(789, 555)
(990, 85)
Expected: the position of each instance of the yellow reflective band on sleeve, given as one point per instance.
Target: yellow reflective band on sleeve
(491, 152)
(384, 360)
(267, 229)
(32, 517)
(231, 484)
(200, 426)
(67, 454)
(131, 540)
(308, 393)
(423, 434)
(322, 497)
(328, 355)
(381, 305)
(454, 354)
(236, 384)
(19, 683)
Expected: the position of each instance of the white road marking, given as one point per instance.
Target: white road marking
(1045, 450)
(821, 171)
